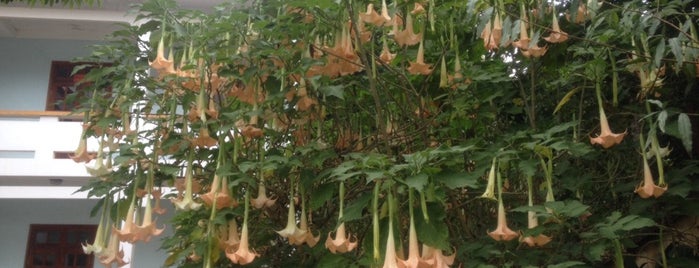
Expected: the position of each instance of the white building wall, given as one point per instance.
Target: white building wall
(17, 214)
(24, 69)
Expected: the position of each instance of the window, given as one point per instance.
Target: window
(58, 246)
(62, 82)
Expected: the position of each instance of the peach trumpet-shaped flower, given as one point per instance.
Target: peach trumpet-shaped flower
(408, 37)
(307, 236)
(229, 239)
(304, 102)
(161, 64)
(581, 14)
(370, 16)
(534, 241)
(127, 233)
(492, 33)
(390, 259)
(80, 155)
(523, 42)
(243, 255)
(419, 66)
(204, 139)
(262, 200)
(291, 230)
(112, 254)
(342, 243)
(414, 259)
(502, 232)
(148, 227)
(606, 137)
(386, 56)
(157, 194)
(440, 261)
(557, 35)
(535, 51)
(417, 9)
(648, 188)
(186, 201)
(219, 194)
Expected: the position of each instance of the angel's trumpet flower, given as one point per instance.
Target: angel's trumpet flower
(186, 202)
(100, 242)
(243, 255)
(523, 42)
(148, 227)
(386, 56)
(648, 188)
(440, 261)
(371, 16)
(80, 155)
(502, 232)
(492, 33)
(606, 137)
(533, 222)
(490, 188)
(419, 66)
(408, 37)
(414, 259)
(291, 230)
(112, 254)
(557, 35)
(161, 64)
(343, 241)
(262, 200)
(230, 239)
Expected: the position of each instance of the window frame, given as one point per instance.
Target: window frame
(62, 247)
(61, 75)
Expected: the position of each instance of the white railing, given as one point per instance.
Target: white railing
(30, 142)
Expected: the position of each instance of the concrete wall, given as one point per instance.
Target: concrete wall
(24, 69)
(17, 214)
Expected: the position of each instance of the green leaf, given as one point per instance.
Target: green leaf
(435, 232)
(676, 48)
(529, 167)
(454, 180)
(355, 208)
(417, 181)
(335, 91)
(566, 98)
(684, 126)
(659, 53)
(321, 195)
(568, 208)
(372, 175)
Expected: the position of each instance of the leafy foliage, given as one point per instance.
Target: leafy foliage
(301, 100)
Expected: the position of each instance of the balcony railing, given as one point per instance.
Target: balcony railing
(34, 148)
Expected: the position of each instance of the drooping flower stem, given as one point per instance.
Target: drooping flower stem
(615, 79)
(618, 257)
(661, 246)
(375, 221)
(655, 148)
(423, 206)
(342, 200)
(210, 235)
(547, 166)
(602, 115)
